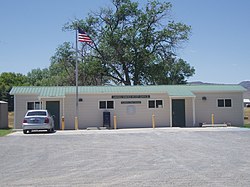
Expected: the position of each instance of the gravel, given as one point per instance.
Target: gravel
(127, 157)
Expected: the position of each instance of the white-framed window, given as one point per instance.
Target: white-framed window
(106, 104)
(156, 103)
(34, 105)
(224, 103)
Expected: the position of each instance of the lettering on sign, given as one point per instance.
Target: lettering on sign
(130, 102)
(130, 96)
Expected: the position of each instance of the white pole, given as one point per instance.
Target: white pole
(170, 111)
(76, 117)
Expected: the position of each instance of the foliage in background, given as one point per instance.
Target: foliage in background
(61, 71)
(7, 81)
(132, 45)
(137, 45)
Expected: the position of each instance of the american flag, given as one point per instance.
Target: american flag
(83, 37)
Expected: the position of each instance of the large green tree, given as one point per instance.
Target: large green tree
(62, 68)
(7, 81)
(61, 71)
(40, 77)
(136, 44)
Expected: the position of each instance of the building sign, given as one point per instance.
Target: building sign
(130, 102)
(130, 96)
(131, 110)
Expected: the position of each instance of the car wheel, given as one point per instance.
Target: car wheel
(50, 130)
(24, 131)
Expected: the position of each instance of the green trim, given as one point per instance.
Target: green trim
(171, 90)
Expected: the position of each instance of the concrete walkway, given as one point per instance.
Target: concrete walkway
(130, 130)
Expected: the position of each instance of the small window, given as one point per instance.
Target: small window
(37, 105)
(228, 103)
(155, 104)
(220, 102)
(106, 104)
(224, 103)
(159, 104)
(30, 105)
(110, 104)
(102, 104)
(151, 104)
(34, 105)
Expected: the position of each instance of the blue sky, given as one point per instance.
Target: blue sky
(219, 47)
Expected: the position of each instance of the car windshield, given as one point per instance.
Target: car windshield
(37, 113)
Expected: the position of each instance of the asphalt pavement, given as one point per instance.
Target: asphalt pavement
(127, 157)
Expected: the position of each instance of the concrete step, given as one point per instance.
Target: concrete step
(97, 128)
(215, 125)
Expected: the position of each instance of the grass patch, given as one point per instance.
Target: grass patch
(247, 125)
(4, 132)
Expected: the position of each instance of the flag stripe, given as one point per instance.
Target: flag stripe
(83, 37)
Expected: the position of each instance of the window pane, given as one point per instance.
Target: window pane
(220, 102)
(30, 105)
(37, 113)
(110, 104)
(37, 105)
(102, 104)
(151, 104)
(159, 104)
(228, 103)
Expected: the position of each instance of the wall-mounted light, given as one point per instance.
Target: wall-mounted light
(204, 98)
(80, 100)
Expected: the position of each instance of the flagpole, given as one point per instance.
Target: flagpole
(77, 109)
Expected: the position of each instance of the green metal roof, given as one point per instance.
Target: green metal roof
(171, 90)
(217, 88)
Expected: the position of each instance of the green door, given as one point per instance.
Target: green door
(178, 113)
(54, 109)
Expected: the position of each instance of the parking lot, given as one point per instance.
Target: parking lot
(127, 157)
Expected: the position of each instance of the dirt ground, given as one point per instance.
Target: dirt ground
(127, 157)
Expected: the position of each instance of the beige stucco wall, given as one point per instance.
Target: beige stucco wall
(204, 108)
(189, 111)
(141, 116)
(137, 115)
(20, 108)
(91, 116)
